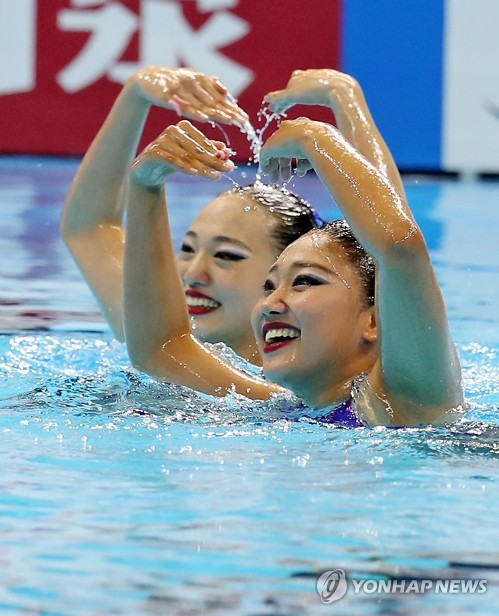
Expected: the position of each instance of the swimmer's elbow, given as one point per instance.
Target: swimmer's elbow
(67, 224)
(146, 363)
(164, 361)
(142, 358)
(69, 233)
(141, 363)
(70, 240)
(81, 249)
(406, 243)
(64, 228)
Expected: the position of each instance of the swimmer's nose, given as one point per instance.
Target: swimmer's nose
(196, 272)
(274, 304)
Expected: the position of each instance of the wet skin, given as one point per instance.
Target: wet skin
(312, 326)
(224, 259)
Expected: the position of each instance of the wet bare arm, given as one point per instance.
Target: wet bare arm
(91, 223)
(158, 336)
(419, 372)
(92, 218)
(343, 94)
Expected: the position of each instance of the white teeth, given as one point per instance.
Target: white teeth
(285, 332)
(201, 301)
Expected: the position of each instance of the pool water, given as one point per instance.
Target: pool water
(119, 495)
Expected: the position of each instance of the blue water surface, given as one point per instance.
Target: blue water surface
(119, 495)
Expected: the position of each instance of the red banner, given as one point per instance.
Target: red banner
(62, 66)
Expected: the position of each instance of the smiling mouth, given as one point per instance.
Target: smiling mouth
(199, 304)
(278, 335)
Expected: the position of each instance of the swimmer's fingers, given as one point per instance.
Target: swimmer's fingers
(188, 108)
(184, 148)
(224, 153)
(309, 87)
(302, 166)
(198, 154)
(210, 111)
(290, 141)
(270, 168)
(154, 164)
(206, 99)
(202, 107)
(198, 105)
(189, 93)
(278, 101)
(221, 104)
(194, 141)
(166, 86)
(218, 85)
(285, 169)
(281, 168)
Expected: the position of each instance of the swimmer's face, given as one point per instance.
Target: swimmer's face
(225, 257)
(312, 325)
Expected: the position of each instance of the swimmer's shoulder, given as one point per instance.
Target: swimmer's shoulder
(374, 409)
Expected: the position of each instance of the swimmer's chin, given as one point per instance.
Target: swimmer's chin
(208, 337)
(278, 376)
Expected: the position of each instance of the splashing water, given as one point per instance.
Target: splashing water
(254, 135)
(231, 179)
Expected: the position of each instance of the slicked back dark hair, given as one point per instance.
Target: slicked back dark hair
(292, 215)
(339, 231)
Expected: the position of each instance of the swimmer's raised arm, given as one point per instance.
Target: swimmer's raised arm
(343, 94)
(418, 371)
(158, 335)
(92, 218)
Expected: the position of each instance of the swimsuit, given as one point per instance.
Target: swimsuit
(343, 415)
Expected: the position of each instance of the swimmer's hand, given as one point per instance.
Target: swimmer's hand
(324, 86)
(189, 93)
(181, 147)
(287, 143)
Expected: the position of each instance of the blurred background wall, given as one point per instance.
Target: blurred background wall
(429, 69)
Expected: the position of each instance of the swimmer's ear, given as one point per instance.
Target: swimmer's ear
(370, 333)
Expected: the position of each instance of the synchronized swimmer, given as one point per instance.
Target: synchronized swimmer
(350, 318)
(222, 263)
